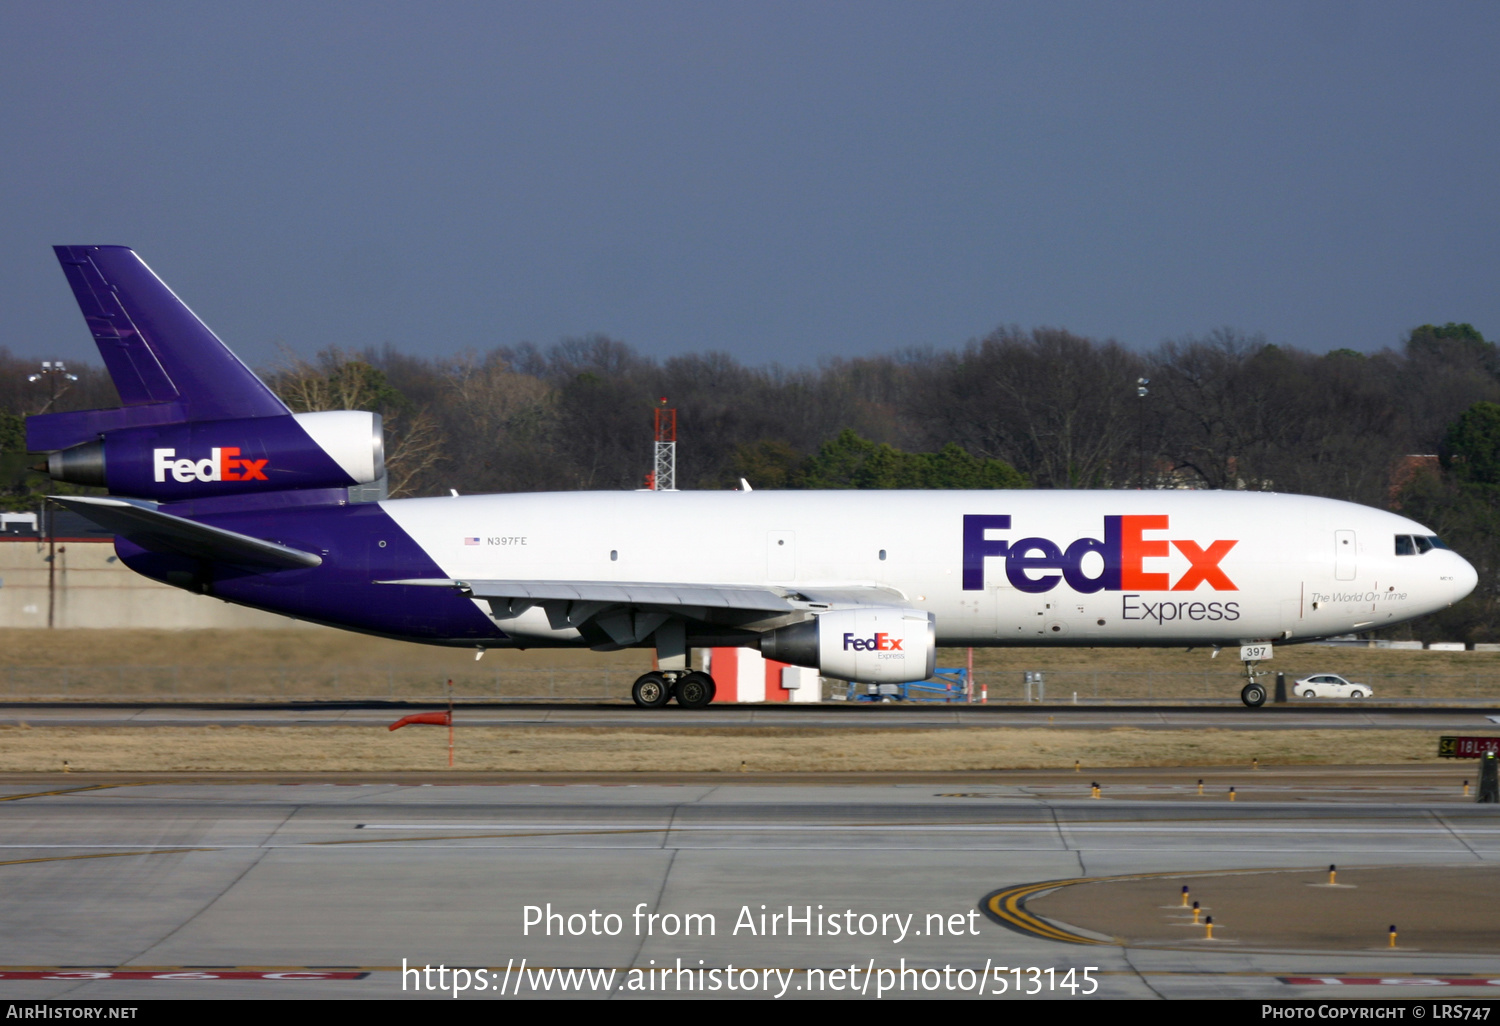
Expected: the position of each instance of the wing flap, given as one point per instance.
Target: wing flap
(839, 596)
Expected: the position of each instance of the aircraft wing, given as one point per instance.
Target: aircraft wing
(162, 532)
(656, 593)
(613, 614)
(617, 592)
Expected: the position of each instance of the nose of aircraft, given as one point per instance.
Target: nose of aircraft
(1465, 577)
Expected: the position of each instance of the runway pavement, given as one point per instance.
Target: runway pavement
(181, 883)
(1298, 716)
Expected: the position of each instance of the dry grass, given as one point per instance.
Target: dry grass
(330, 664)
(329, 648)
(1293, 660)
(309, 647)
(351, 749)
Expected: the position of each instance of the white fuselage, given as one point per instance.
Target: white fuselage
(1199, 567)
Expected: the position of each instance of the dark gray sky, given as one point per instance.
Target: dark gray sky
(780, 181)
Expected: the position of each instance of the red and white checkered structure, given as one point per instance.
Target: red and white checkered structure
(744, 675)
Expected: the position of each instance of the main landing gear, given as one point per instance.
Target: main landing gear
(693, 689)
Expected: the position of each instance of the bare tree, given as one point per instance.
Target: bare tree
(1221, 406)
(501, 423)
(344, 381)
(1056, 406)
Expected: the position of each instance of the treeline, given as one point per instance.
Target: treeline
(1042, 408)
(1222, 411)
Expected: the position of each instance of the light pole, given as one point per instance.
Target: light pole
(53, 371)
(1141, 392)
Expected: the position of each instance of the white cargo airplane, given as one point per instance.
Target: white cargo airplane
(222, 490)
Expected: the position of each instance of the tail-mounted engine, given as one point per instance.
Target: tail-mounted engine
(199, 459)
(871, 645)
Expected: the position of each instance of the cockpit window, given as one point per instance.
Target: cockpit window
(1424, 544)
(1405, 546)
(1437, 542)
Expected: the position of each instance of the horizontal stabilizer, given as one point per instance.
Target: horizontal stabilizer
(48, 432)
(163, 532)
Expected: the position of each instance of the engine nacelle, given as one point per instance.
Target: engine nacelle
(870, 645)
(199, 459)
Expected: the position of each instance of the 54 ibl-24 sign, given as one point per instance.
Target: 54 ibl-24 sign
(1467, 747)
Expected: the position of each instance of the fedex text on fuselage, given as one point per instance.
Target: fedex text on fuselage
(1124, 550)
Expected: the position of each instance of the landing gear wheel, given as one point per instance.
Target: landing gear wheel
(1253, 695)
(650, 690)
(694, 690)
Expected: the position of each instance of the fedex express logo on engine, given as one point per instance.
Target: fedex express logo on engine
(1037, 564)
(223, 465)
(881, 642)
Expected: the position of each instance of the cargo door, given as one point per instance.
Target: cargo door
(1344, 556)
(781, 555)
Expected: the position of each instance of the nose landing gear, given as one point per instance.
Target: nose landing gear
(1253, 694)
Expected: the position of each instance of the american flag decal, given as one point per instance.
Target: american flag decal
(471, 541)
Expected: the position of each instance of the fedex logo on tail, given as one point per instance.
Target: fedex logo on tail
(223, 465)
(1038, 564)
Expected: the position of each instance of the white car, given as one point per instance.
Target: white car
(1329, 685)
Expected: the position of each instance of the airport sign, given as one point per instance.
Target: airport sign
(1467, 747)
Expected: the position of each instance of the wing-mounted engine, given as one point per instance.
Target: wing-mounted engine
(200, 459)
(869, 644)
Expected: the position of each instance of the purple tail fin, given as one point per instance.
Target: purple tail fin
(156, 349)
(167, 366)
(165, 363)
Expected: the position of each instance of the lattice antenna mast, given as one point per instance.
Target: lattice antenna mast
(664, 476)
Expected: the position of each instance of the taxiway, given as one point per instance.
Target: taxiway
(180, 882)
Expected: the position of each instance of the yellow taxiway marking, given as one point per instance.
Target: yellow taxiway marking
(63, 790)
(103, 855)
(1008, 906)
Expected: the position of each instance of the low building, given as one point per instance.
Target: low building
(72, 578)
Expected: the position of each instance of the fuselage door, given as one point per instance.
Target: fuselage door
(1344, 554)
(781, 555)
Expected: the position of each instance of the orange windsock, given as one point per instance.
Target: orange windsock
(437, 719)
